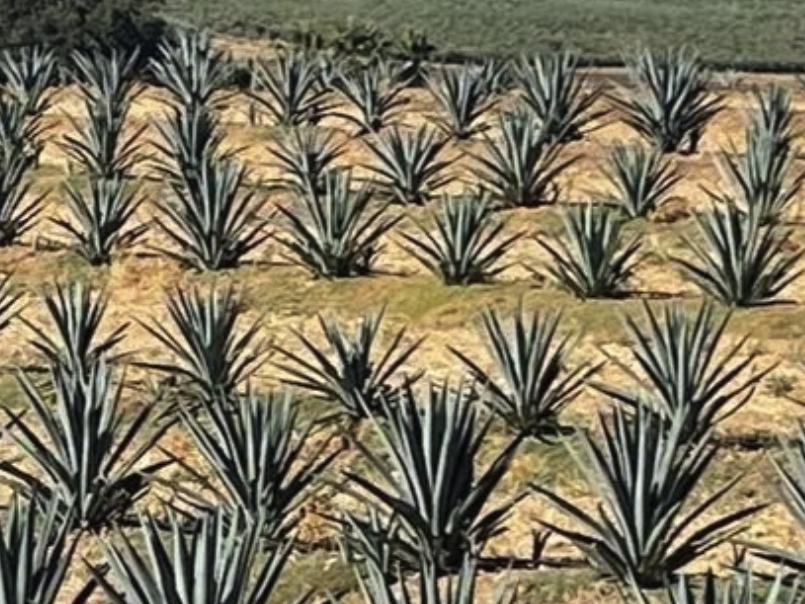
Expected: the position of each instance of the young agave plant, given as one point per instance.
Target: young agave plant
(27, 75)
(531, 384)
(84, 458)
(429, 480)
(464, 96)
(645, 475)
(109, 88)
(215, 353)
(409, 165)
(191, 70)
(592, 260)
(305, 156)
(19, 211)
(740, 588)
(763, 179)
(739, 263)
(641, 179)
(561, 100)
(101, 218)
(684, 369)
(291, 90)
(259, 454)
(773, 115)
(351, 371)
(334, 233)
(466, 245)
(372, 98)
(35, 553)
(213, 219)
(522, 166)
(73, 339)
(673, 105)
(217, 561)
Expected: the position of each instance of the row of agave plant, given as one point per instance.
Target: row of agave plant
(425, 505)
(335, 227)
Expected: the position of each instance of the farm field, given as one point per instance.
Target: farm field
(730, 32)
(284, 299)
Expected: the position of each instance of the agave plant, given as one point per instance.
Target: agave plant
(72, 339)
(291, 90)
(763, 179)
(740, 588)
(645, 475)
(19, 210)
(109, 88)
(258, 453)
(466, 246)
(592, 260)
(773, 115)
(561, 100)
(428, 473)
(641, 179)
(684, 369)
(212, 219)
(35, 553)
(334, 233)
(101, 218)
(27, 75)
(305, 155)
(191, 70)
(82, 457)
(215, 353)
(521, 167)
(464, 96)
(497, 76)
(218, 561)
(673, 105)
(739, 263)
(371, 96)
(409, 165)
(351, 371)
(531, 384)
(414, 50)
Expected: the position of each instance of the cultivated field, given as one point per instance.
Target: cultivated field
(284, 297)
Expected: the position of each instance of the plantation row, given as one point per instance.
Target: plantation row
(335, 227)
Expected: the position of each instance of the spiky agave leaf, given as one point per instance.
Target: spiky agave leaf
(684, 368)
(101, 218)
(290, 89)
(305, 155)
(19, 210)
(521, 167)
(35, 552)
(109, 89)
(9, 302)
(467, 243)
(261, 455)
(334, 232)
(559, 97)
(73, 338)
(641, 179)
(645, 475)
(428, 474)
(673, 105)
(739, 263)
(371, 96)
(82, 451)
(214, 217)
(191, 70)
(28, 73)
(741, 587)
(592, 259)
(763, 179)
(409, 165)
(350, 371)
(531, 384)
(215, 351)
(218, 561)
(464, 96)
